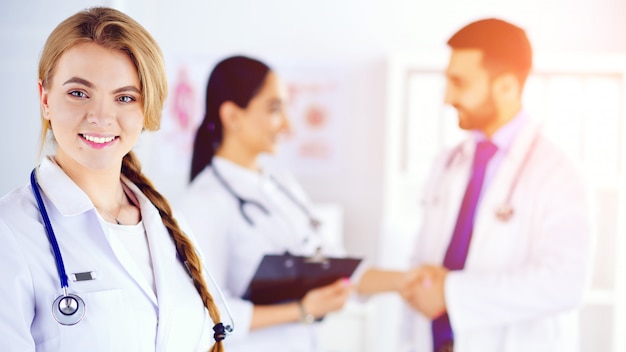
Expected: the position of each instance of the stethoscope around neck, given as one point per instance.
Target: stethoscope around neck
(243, 202)
(505, 211)
(68, 308)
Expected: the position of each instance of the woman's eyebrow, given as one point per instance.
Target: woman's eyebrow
(88, 84)
(80, 81)
(127, 89)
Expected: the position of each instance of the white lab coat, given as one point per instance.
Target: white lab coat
(122, 311)
(233, 248)
(522, 278)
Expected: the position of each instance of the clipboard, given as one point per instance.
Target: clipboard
(287, 277)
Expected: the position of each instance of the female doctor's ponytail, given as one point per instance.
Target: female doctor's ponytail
(237, 79)
(131, 169)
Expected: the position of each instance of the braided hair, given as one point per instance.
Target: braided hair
(131, 169)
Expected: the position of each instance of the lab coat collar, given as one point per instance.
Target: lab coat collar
(235, 174)
(70, 200)
(66, 196)
(503, 138)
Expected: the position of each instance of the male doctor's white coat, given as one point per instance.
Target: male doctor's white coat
(523, 277)
(123, 313)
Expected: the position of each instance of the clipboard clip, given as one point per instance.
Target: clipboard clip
(317, 258)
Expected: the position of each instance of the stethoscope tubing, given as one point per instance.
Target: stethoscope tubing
(58, 258)
(231, 327)
(505, 210)
(242, 202)
(521, 168)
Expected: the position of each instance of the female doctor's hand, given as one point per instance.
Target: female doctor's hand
(326, 299)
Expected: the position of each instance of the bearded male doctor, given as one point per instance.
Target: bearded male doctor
(503, 256)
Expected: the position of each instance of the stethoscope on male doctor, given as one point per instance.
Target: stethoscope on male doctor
(69, 308)
(505, 211)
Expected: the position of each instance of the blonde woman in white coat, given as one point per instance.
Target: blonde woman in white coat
(101, 83)
(529, 256)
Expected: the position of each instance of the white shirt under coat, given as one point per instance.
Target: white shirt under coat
(233, 248)
(123, 311)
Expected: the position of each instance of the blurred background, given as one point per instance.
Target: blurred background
(366, 84)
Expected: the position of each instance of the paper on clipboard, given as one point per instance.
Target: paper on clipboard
(286, 277)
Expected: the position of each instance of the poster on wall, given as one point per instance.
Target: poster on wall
(315, 110)
(169, 159)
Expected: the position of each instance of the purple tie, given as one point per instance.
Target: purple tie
(457, 249)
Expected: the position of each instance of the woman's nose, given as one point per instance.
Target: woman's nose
(100, 114)
(286, 124)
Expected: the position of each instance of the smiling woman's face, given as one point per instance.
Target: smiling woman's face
(265, 118)
(94, 105)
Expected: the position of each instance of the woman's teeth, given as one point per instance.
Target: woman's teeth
(99, 140)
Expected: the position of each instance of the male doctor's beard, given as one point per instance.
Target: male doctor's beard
(479, 117)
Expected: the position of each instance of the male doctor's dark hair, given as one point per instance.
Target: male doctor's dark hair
(505, 46)
(237, 79)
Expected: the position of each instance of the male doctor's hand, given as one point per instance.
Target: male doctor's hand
(425, 291)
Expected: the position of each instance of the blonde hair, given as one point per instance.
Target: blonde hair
(115, 30)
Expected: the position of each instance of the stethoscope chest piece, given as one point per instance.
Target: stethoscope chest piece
(68, 309)
(504, 212)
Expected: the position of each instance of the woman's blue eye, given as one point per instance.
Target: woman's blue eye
(78, 94)
(126, 99)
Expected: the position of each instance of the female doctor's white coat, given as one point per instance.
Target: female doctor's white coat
(123, 313)
(234, 248)
(523, 277)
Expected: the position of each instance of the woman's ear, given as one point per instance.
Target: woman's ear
(43, 101)
(230, 115)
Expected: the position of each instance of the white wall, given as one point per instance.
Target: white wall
(356, 34)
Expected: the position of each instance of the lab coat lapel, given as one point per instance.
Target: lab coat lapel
(70, 200)
(496, 194)
(164, 264)
(125, 257)
(172, 284)
(442, 209)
